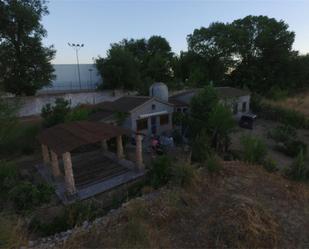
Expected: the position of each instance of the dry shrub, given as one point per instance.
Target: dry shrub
(240, 222)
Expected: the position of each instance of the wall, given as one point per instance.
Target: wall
(33, 105)
(147, 109)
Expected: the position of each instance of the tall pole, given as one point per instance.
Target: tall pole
(80, 84)
(76, 47)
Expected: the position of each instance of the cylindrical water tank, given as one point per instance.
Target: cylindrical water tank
(159, 90)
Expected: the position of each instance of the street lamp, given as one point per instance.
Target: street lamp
(77, 47)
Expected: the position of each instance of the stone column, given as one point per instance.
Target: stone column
(68, 170)
(119, 147)
(139, 152)
(45, 154)
(55, 165)
(104, 145)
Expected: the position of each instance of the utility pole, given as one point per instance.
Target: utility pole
(77, 47)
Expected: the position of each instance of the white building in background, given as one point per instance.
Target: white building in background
(67, 78)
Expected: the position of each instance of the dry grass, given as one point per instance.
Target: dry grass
(12, 233)
(299, 102)
(240, 207)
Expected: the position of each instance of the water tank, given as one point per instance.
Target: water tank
(159, 90)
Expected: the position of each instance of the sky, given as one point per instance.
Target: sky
(98, 23)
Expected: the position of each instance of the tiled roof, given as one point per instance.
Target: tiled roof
(67, 137)
(223, 92)
(124, 104)
(231, 92)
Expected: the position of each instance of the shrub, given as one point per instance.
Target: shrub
(8, 176)
(182, 174)
(72, 215)
(254, 149)
(292, 148)
(282, 133)
(160, 172)
(25, 196)
(298, 169)
(21, 140)
(213, 165)
(77, 114)
(279, 114)
(55, 114)
(201, 149)
(270, 165)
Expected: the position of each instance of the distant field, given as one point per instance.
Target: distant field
(299, 102)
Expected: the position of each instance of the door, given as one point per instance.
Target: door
(154, 125)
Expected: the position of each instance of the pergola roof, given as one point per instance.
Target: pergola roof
(67, 137)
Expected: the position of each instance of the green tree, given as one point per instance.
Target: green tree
(211, 117)
(135, 64)
(25, 63)
(119, 69)
(221, 124)
(254, 51)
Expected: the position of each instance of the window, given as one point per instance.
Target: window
(235, 108)
(153, 107)
(184, 110)
(164, 119)
(244, 106)
(178, 109)
(142, 124)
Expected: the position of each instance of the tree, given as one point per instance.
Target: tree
(135, 64)
(8, 118)
(119, 69)
(221, 124)
(251, 52)
(25, 63)
(210, 118)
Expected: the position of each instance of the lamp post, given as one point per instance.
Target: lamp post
(77, 47)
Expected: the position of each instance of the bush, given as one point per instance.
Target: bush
(21, 140)
(77, 114)
(55, 114)
(160, 172)
(182, 174)
(298, 169)
(73, 215)
(8, 176)
(282, 133)
(213, 165)
(201, 149)
(279, 114)
(254, 149)
(270, 165)
(25, 196)
(292, 148)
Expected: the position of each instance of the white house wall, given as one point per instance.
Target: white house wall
(147, 109)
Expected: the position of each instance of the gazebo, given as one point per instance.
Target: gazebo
(59, 141)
